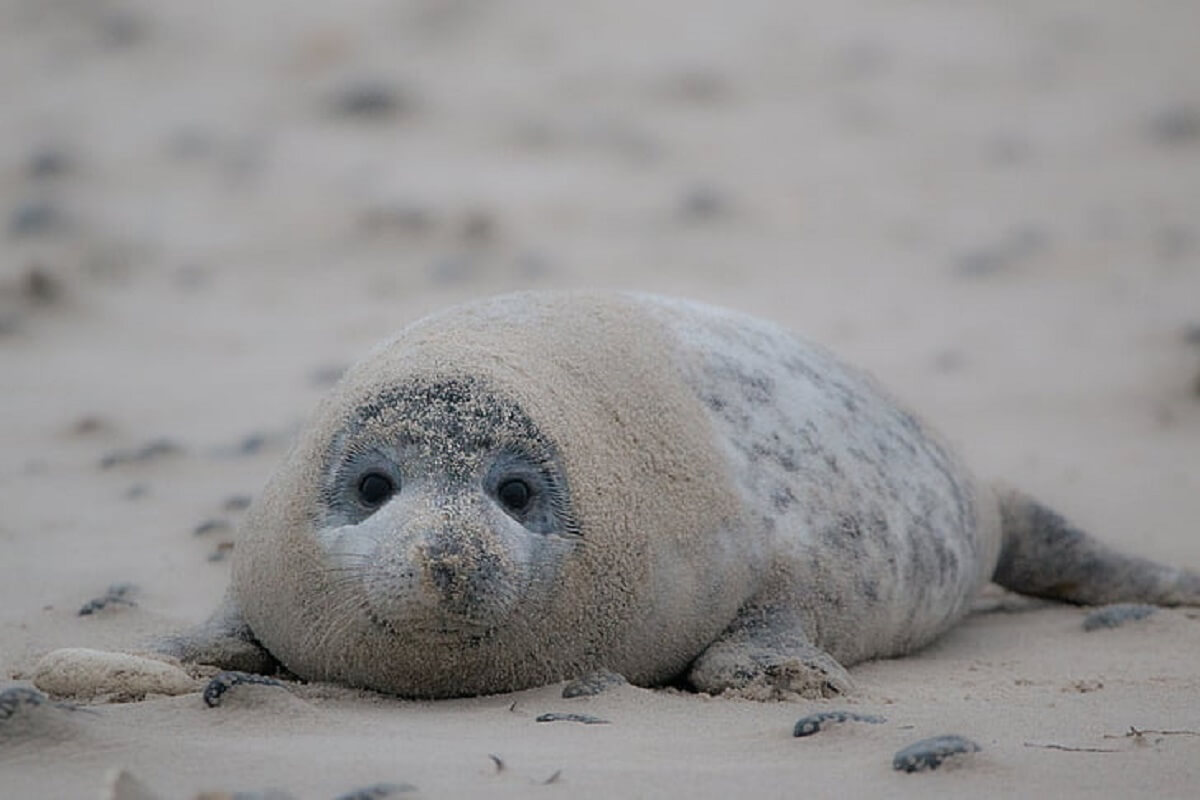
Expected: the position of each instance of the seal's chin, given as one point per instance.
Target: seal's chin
(445, 631)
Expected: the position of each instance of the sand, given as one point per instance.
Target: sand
(211, 208)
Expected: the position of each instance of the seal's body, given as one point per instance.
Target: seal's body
(529, 488)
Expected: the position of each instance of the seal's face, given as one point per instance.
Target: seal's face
(442, 508)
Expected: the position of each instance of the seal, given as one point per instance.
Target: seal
(533, 487)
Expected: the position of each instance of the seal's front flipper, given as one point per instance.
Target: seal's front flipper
(225, 641)
(765, 654)
(1045, 556)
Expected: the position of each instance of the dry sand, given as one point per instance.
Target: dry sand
(212, 207)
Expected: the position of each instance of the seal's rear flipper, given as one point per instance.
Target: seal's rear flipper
(1045, 556)
(225, 641)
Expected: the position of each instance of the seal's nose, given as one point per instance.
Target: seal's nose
(443, 567)
(450, 571)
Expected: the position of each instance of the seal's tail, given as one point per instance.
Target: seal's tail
(1045, 556)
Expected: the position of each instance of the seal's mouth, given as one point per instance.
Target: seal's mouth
(462, 632)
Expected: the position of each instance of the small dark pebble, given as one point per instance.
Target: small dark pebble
(1014, 247)
(41, 286)
(377, 792)
(1116, 615)
(236, 502)
(209, 526)
(807, 726)
(1176, 126)
(35, 218)
(147, 452)
(224, 681)
(121, 29)
(254, 443)
(14, 697)
(87, 425)
(404, 220)
(1174, 242)
(49, 162)
(10, 323)
(190, 277)
(531, 266)
(368, 99)
(119, 594)
(864, 60)
(327, 375)
(478, 227)
(703, 203)
(697, 86)
(930, 753)
(1008, 150)
(593, 684)
(948, 361)
(191, 143)
(453, 269)
(221, 553)
(558, 716)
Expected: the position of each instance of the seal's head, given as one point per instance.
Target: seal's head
(445, 509)
(505, 495)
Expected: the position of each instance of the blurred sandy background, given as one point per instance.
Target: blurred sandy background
(210, 209)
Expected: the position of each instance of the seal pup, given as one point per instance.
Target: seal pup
(529, 488)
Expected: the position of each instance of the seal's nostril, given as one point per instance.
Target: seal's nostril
(442, 576)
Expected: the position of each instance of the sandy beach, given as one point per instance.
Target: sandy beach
(210, 210)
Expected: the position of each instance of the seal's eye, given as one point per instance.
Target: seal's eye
(514, 493)
(374, 488)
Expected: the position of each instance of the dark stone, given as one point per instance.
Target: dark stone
(210, 526)
(1013, 248)
(41, 286)
(49, 162)
(807, 726)
(327, 375)
(236, 502)
(221, 553)
(224, 681)
(35, 218)
(377, 792)
(478, 228)
(703, 204)
(14, 697)
(1176, 126)
(454, 269)
(930, 753)
(152, 451)
(119, 594)
(558, 716)
(1116, 615)
(368, 99)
